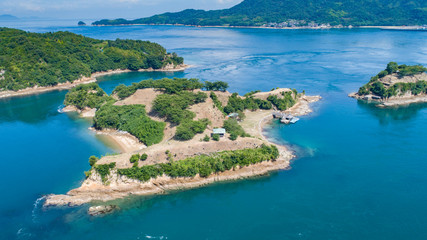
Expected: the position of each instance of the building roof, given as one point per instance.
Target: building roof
(218, 131)
(233, 115)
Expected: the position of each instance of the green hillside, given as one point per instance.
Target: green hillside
(46, 59)
(303, 12)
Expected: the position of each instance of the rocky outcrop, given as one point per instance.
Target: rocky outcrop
(403, 98)
(100, 210)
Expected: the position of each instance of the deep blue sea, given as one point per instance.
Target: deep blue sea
(361, 171)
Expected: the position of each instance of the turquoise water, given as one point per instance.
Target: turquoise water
(360, 171)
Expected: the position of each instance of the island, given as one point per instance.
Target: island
(294, 14)
(396, 85)
(8, 17)
(38, 62)
(81, 23)
(176, 134)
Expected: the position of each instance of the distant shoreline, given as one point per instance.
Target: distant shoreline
(83, 80)
(401, 28)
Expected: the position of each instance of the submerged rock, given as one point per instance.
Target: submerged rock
(100, 210)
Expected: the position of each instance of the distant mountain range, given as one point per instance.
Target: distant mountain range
(7, 17)
(296, 13)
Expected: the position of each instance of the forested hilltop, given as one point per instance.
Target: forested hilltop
(46, 59)
(291, 13)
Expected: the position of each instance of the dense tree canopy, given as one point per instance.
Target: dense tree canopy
(132, 119)
(258, 12)
(238, 104)
(87, 95)
(174, 106)
(46, 59)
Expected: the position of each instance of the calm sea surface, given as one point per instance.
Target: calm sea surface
(361, 172)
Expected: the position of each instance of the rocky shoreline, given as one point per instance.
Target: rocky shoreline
(404, 100)
(84, 80)
(121, 186)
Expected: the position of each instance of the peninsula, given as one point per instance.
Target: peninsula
(396, 85)
(295, 14)
(38, 62)
(176, 134)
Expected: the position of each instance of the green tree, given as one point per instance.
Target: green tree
(144, 157)
(206, 138)
(215, 137)
(92, 160)
(134, 158)
(392, 67)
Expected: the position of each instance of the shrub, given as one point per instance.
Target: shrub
(144, 157)
(104, 170)
(216, 101)
(363, 90)
(378, 89)
(92, 160)
(206, 138)
(134, 158)
(174, 107)
(215, 137)
(233, 127)
(188, 129)
(233, 136)
(405, 70)
(382, 74)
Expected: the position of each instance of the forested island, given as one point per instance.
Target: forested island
(29, 60)
(296, 13)
(396, 85)
(178, 133)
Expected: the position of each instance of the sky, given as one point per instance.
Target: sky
(99, 9)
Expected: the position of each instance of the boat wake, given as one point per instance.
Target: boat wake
(152, 237)
(22, 234)
(36, 208)
(61, 108)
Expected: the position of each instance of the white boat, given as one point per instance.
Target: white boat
(288, 118)
(294, 120)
